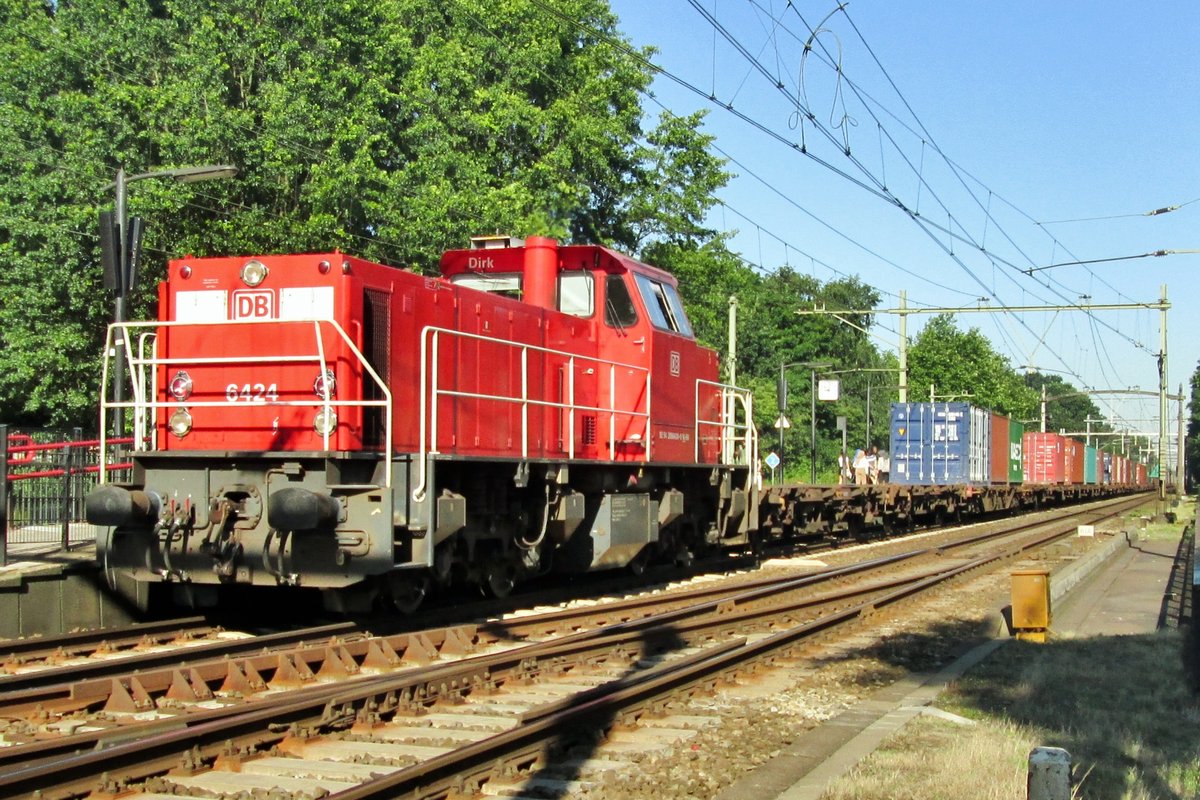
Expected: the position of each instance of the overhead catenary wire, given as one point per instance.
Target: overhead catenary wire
(1153, 213)
(926, 138)
(958, 168)
(760, 126)
(921, 221)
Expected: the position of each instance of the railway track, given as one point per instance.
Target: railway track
(439, 712)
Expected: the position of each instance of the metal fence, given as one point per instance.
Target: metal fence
(44, 477)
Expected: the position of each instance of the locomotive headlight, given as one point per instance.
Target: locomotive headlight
(325, 386)
(181, 386)
(181, 422)
(254, 272)
(325, 422)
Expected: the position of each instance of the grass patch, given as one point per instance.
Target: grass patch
(932, 759)
(1184, 511)
(1119, 705)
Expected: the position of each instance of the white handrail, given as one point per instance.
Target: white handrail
(143, 370)
(428, 423)
(731, 431)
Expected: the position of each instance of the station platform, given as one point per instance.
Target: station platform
(1130, 594)
(1123, 588)
(47, 591)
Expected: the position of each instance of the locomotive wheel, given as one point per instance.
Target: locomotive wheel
(407, 592)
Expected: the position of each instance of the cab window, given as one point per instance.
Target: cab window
(576, 294)
(619, 311)
(663, 306)
(507, 284)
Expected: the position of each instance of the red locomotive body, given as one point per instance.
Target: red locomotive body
(321, 420)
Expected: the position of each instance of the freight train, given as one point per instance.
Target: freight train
(957, 443)
(324, 421)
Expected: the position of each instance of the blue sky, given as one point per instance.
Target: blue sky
(984, 119)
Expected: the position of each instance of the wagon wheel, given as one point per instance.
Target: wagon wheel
(639, 562)
(499, 577)
(407, 592)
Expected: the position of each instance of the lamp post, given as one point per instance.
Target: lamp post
(813, 368)
(121, 252)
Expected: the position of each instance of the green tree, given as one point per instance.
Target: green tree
(774, 336)
(1067, 408)
(965, 365)
(391, 130)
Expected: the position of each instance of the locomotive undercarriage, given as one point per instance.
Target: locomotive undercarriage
(497, 523)
(329, 521)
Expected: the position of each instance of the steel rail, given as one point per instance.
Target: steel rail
(69, 682)
(77, 641)
(94, 684)
(529, 740)
(422, 686)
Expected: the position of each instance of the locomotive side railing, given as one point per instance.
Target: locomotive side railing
(142, 368)
(736, 433)
(432, 393)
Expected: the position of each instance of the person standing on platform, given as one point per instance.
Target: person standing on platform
(845, 469)
(860, 467)
(872, 465)
(883, 465)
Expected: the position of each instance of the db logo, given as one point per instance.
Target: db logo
(675, 363)
(256, 304)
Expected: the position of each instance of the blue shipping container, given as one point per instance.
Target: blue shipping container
(939, 443)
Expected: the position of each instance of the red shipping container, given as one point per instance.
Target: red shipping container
(1045, 458)
(1074, 461)
(998, 457)
(1142, 480)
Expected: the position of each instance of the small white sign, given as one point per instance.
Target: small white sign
(772, 460)
(1087, 530)
(306, 302)
(828, 389)
(207, 305)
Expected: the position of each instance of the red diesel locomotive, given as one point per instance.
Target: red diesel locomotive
(323, 421)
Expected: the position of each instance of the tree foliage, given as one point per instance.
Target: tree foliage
(964, 365)
(391, 130)
(1067, 408)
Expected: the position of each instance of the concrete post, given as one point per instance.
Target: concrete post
(903, 347)
(1049, 774)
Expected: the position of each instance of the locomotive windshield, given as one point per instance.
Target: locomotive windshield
(619, 311)
(662, 303)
